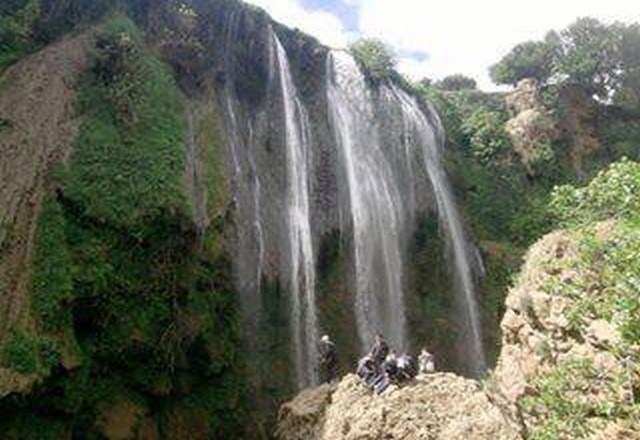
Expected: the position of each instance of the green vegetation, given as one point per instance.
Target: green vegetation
(131, 302)
(565, 405)
(606, 287)
(613, 193)
(601, 59)
(16, 19)
(51, 284)
(487, 137)
(27, 25)
(22, 353)
(137, 128)
(376, 58)
(456, 82)
(532, 59)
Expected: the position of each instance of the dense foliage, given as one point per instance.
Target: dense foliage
(532, 59)
(456, 82)
(138, 129)
(600, 58)
(606, 287)
(375, 56)
(613, 193)
(16, 19)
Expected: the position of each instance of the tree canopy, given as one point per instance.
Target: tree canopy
(456, 82)
(596, 56)
(532, 59)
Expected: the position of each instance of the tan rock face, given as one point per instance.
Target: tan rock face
(538, 339)
(524, 97)
(531, 133)
(439, 406)
(38, 126)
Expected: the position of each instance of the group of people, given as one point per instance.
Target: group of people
(380, 367)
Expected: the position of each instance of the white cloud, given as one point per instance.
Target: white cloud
(468, 36)
(321, 24)
(460, 36)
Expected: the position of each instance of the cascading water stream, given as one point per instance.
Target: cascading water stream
(430, 135)
(376, 205)
(302, 261)
(257, 207)
(380, 211)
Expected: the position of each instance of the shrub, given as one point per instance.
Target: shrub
(22, 352)
(487, 136)
(51, 286)
(376, 57)
(614, 192)
(129, 155)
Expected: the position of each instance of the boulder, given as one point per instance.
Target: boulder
(433, 407)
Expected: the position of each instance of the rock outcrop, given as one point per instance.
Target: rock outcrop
(531, 129)
(544, 351)
(438, 406)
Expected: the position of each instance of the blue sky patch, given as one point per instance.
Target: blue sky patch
(347, 14)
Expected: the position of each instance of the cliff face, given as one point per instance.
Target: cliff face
(39, 125)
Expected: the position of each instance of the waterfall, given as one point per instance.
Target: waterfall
(257, 208)
(366, 172)
(381, 207)
(302, 263)
(376, 205)
(431, 135)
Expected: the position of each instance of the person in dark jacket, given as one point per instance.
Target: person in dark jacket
(366, 370)
(407, 367)
(328, 359)
(379, 351)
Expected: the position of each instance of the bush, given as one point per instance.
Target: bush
(129, 155)
(51, 286)
(22, 352)
(376, 58)
(16, 19)
(487, 136)
(613, 193)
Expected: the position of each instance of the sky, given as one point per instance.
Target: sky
(434, 39)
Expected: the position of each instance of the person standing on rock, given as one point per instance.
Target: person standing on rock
(328, 359)
(426, 362)
(366, 370)
(379, 351)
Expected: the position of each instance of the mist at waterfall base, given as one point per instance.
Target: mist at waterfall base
(387, 153)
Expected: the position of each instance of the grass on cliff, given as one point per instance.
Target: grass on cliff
(129, 155)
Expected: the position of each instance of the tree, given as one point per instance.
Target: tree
(456, 82)
(599, 58)
(376, 57)
(591, 56)
(532, 59)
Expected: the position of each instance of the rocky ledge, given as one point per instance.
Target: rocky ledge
(439, 406)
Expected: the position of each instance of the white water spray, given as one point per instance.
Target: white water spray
(377, 208)
(302, 261)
